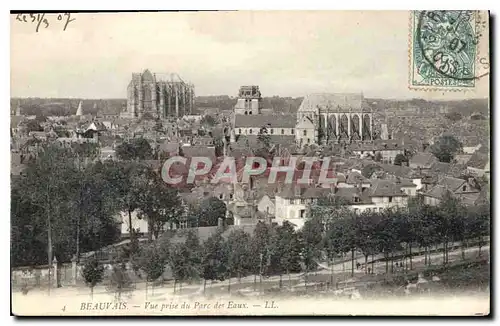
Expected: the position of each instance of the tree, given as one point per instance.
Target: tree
(119, 280)
(135, 149)
(449, 207)
(129, 179)
(311, 236)
(400, 159)
(208, 121)
(264, 138)
(185, 259)
(288, 249)
(445, 148)
(453, 116)
(369, 169)
(45, 216)
(92, 274)
(158, 204)
(238, 246)
(214, 258)
(152, 263)
(387, 240)
(209, 212)
(261, 248)
(366, 240)
(158, 126)
(33, 125)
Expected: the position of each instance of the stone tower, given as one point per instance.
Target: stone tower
(249, 101)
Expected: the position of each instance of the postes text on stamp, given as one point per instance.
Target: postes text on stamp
(443, 49)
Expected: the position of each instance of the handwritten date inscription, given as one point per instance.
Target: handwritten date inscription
(45, 20)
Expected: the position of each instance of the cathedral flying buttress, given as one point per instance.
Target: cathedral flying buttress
(158, 95)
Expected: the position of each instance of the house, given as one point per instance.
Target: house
(306, 132)
(462, 189)
(266, 205)
(479, 164)
(386, 194)
(422, 161)
(291, 203)
(96, 126)
(388, 149)
(470, 144)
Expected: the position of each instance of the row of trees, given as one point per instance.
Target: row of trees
(395, 233)
(268, 251)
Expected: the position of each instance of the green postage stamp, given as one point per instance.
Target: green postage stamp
(443, 49)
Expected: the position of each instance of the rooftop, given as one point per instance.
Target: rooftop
(332, 102)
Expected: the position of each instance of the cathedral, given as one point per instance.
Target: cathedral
(159, 97)
(334, 117)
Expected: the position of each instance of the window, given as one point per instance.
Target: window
(356, 199)
(292, 131)
(282, 131)
(302, 213)
(271, 131)
(250, 131)
(464, 188)
(305, 132)
(390, 199)
(308, 140)
(246, 112)
(231, 196)
(221, 196)
(250, 112)
(239, 131)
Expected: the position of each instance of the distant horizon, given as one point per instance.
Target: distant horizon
(293, 97)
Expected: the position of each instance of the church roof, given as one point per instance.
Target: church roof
(147, 76)
(305, 123)
(333, 102)
(261, 120)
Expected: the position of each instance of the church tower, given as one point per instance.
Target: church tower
(249, 101)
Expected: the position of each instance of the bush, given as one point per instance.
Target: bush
(92, 273)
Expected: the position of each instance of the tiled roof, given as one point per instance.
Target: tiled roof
(198, 151)
(385, 188)
(423, 160)
(263, 120)
(355, 178)
(451, 183)
(325, 101)
(478, 160)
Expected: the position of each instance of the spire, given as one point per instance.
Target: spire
(79, 111)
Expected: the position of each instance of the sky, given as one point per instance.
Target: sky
(285, 53)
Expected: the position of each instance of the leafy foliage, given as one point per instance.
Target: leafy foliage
(445, 148)
(135, 149)
(92, 273)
